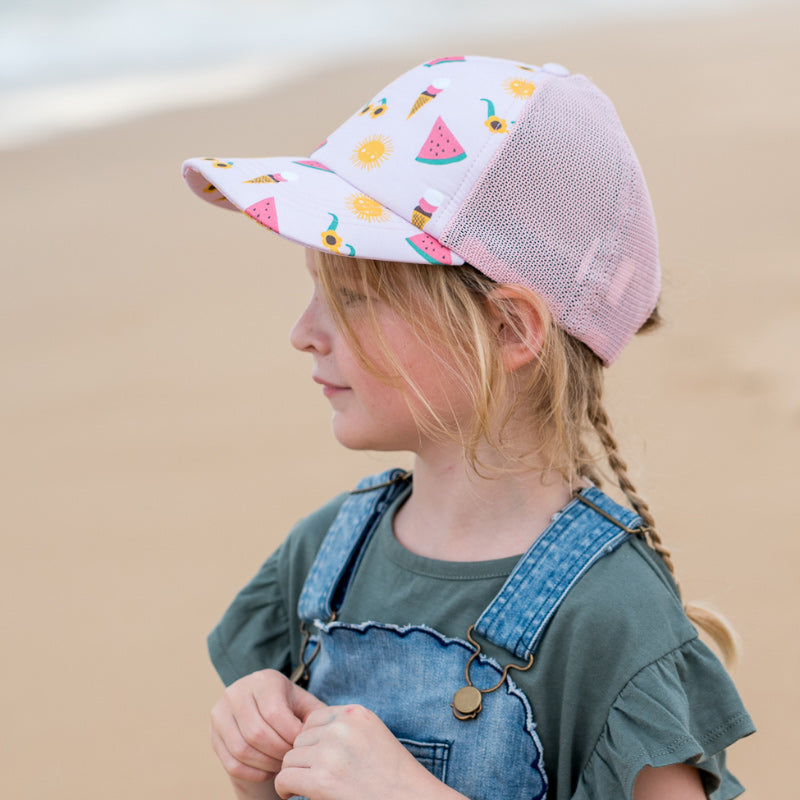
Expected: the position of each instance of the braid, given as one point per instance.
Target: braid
(592, 373)
(602, 426)
(709, 620)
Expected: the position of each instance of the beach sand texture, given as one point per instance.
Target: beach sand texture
(160, 436)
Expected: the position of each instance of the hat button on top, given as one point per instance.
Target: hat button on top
(555, 69)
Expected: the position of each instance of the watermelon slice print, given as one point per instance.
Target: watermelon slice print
(431, 250)
(313, 165)
(441, 146)
(445, 60)
(265, 213)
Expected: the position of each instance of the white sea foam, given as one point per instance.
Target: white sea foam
(72, 64)
(41, 112)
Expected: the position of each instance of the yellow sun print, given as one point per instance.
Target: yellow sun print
(372, 152)
(519, 88)
(365, 208)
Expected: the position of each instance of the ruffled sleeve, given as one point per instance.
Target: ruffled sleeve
(682, 708)
(253, 633)
(260, 629)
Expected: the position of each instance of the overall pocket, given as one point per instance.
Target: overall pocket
(432, 755)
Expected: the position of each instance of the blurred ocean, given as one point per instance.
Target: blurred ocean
(70, 64)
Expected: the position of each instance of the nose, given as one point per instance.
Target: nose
(310, 332)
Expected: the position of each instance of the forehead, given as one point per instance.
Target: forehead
(310, 260)
(338, 269)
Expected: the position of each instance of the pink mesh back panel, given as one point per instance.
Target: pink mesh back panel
(563, 208)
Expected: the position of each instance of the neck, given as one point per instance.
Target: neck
(455, 515)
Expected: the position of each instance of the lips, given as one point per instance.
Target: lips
(329, 389)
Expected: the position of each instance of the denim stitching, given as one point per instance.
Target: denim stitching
(566, 559)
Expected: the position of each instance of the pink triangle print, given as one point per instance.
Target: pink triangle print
(264, 212)
(430, 249)
(441, 147)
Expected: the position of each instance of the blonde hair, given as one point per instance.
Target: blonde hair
(454, 311)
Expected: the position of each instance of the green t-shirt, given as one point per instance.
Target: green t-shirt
(620, 679)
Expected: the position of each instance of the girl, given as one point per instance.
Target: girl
(481, 244)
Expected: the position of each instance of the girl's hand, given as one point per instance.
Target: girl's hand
(255, 723)
(347, 753)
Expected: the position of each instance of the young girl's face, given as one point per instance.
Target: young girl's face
(370, 413)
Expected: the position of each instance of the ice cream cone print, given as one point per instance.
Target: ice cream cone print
(275, 177)
(428, 203)
(428, 95)
(332, 241)
(494, 123)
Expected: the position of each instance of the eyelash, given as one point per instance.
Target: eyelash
(350, 297)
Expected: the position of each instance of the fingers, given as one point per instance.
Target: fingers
(350, 714)
(287, 709)
(255, 723)
(303, 703)
(273, 723)
(244, 732)
(295, 781)
(342, 751)
(320, 717)
(297, 777)
(239, 760)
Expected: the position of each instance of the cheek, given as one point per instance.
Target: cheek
(380, 396)
(430, 380)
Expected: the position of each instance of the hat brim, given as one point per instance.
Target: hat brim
(302, 200)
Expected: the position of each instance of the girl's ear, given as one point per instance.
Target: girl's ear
(520, 320)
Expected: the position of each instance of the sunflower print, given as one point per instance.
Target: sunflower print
(379, 109)
(332, 241)
(494, 123)
(216, 162)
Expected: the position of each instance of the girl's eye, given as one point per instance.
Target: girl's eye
(350, 297)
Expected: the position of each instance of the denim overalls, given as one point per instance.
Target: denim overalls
(409, 675)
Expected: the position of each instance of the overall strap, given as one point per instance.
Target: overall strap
(591, 526)
(344, 544)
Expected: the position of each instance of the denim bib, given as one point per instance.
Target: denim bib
(408, 675)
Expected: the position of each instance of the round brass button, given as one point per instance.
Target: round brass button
(467, 702)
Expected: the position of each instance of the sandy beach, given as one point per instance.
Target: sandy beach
(160, 436)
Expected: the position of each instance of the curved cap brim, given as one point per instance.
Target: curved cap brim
(302, 200)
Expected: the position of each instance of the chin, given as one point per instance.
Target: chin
(369, 440)
(366, 443)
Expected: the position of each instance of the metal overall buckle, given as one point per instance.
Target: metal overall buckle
(468, 700)
(299, 674)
